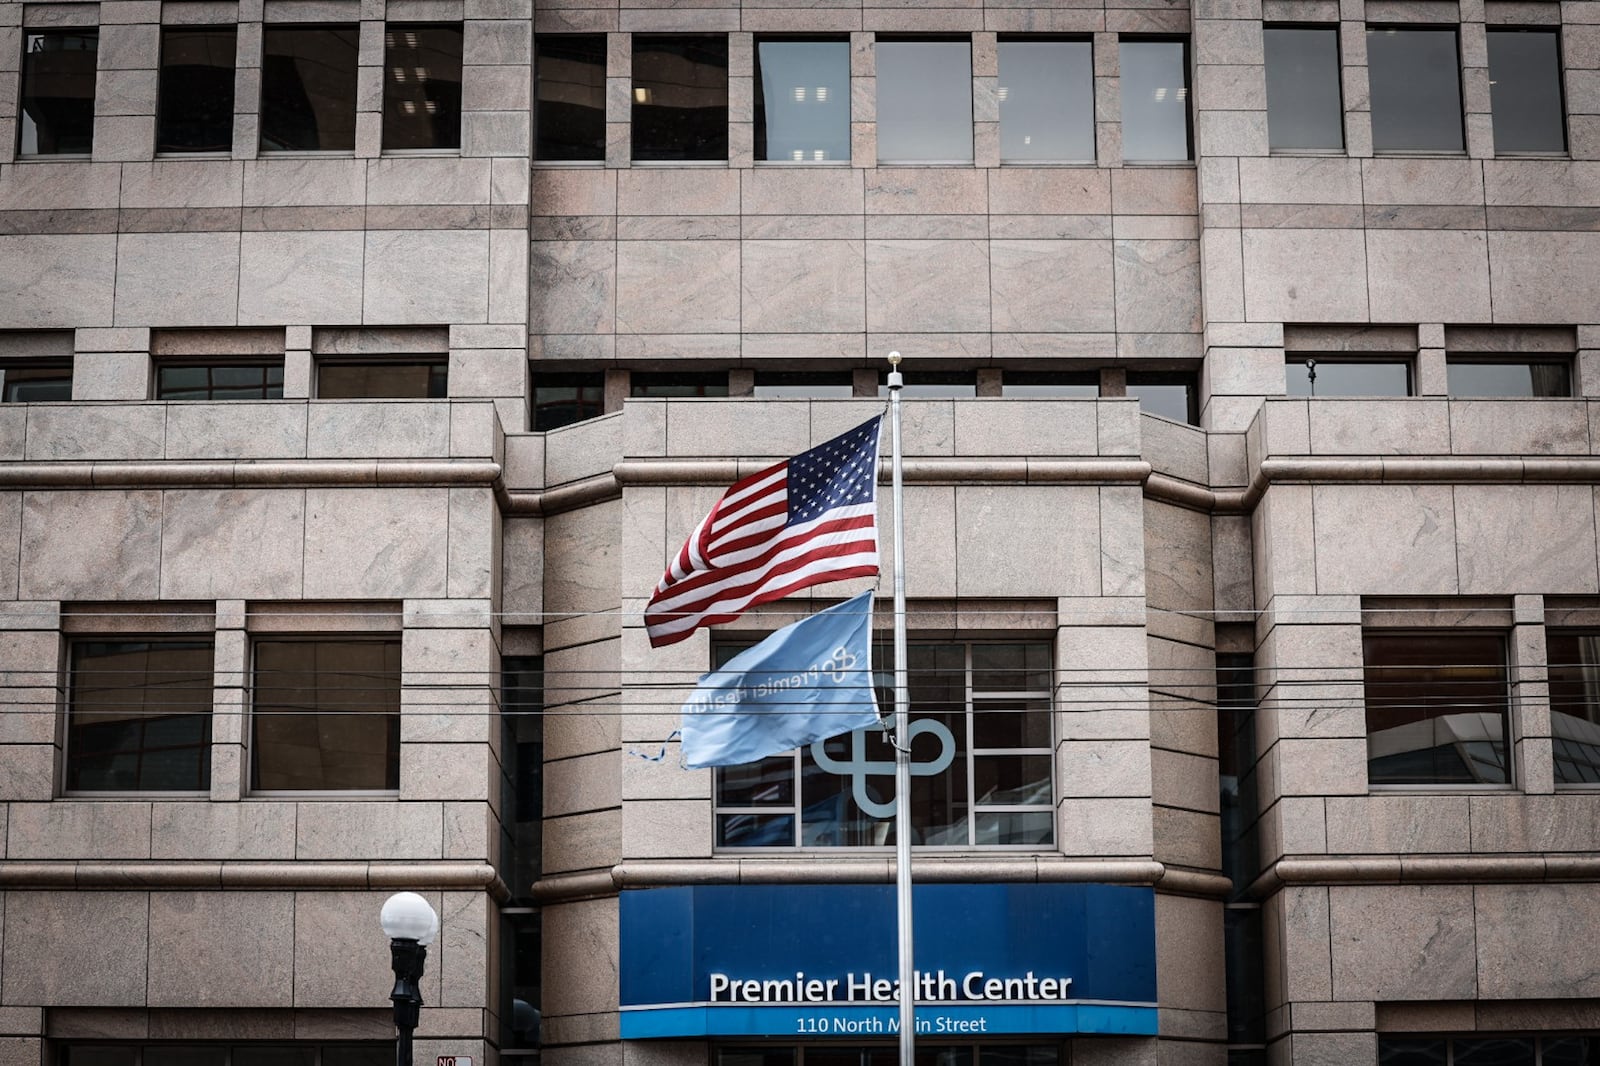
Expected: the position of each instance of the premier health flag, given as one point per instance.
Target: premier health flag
(808, 681)
(799, 523)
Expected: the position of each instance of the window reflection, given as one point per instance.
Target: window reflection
(422, 86)
(1170, 395)
(308, 88)
(58, 77)
(570, 96)
(1525, 91)
(1304, 110)
(680, 98)
(1508, 378)
(562, 399)
(195, 113)
(803, 385)
(1046, 95)
(803, 101)
(1436, 708)
(1318, 376)
(981, 731)
(1415, 80)
(1155, 100)
(924, 101)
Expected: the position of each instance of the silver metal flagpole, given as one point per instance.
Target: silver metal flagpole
(902, 741)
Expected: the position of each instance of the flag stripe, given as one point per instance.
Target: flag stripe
(797, 523)
(752, 563)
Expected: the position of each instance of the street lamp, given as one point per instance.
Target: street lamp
(410, 923)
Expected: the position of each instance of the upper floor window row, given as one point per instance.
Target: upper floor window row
(679, 105)
(308, 89)
(1414, 78)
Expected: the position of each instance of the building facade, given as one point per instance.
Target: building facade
(364, 362)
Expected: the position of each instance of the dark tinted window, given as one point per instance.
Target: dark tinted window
(1046, 100)
(1415, 79)
(1436, 708)
(803, 101)
(1345, 377)
(562, 399)
(195, 113)
(711, 383)
(1493, 1051)
(936, 385)
(1412, 1051)
(1509, 378)
(1525, 91)
(140, 716)
(924, 101)
(326, 714)
(570, 96)
(37, 382)
(1171, 396)
(308, 88)
(220, 381)
(1575, 706)
(1155, 100)
(420, 380)
(803, 384)
(1569, 1051)
(422, 86)
(58, 72)
(1303, 101)
(1051, 383)
(680, 97)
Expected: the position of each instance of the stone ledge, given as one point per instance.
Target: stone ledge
(253, 875)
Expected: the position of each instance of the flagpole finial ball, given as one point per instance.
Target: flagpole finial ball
(894, 358)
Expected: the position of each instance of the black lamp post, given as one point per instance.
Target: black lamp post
(411, 924)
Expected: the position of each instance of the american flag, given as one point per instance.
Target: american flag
(806, 520)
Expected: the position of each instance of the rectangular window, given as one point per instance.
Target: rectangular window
(709, 383)
(1339, 376)
(421, 86)
(1474, 1050)
(569, 80)
(1051, 384)
(219, 381)
(803, 385)
(139, 716)
(58, 74)
(1155, 100)
(299, 1053)
(1574, 659)
(36, 382)
(1046, 95)
(1436, 708)
(1508, 378)
(1525, 91)
(924, 101)
(981, 715)
(562, 399)
(195, 110)
(326, 715)
(802, 101)
(935, 385)
(1304, 108)
(308, 88)
(1415, 83)
(1171, 395)
(680, 98)
(421, 379)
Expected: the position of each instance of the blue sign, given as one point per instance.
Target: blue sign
(811, 961)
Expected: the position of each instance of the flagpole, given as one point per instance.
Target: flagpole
(902, 741)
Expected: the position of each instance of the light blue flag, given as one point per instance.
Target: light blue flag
(808, 681)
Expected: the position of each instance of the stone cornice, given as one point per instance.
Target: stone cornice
(246, 473)
(1424, 870)
(155, 874)
(876, 869)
